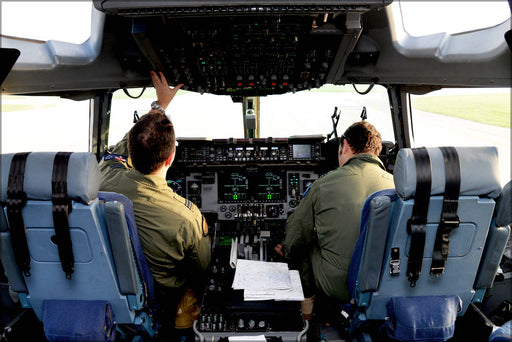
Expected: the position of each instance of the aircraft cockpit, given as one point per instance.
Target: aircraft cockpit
(269, 87)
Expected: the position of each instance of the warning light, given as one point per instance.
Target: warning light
(273, 83)
(240, 84)
(285, 83)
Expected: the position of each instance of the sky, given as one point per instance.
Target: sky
(43, 20)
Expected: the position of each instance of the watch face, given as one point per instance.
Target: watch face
(156, 106)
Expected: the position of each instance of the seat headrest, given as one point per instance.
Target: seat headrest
(478, 167)
(83, 179)
(503, 208)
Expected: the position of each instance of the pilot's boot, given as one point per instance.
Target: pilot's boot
(188, 310)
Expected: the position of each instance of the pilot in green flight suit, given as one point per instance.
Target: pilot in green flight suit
(172, 230)
(322, 232)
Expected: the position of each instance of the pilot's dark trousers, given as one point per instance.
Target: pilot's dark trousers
(167, 301)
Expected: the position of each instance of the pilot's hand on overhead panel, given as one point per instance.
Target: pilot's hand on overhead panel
(164, 94)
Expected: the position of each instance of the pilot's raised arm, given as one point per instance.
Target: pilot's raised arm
(172, 230)
(119, 154)
(322, 232)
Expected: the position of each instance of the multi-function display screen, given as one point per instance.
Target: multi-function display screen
(233, 187)
(302, 151)
(269, 186)
(264, 186)
(197, 153)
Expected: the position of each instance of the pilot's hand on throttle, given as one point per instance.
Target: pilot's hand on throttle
(279, 249)
(164, 94)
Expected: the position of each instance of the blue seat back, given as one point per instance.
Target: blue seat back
(370, 280)
(497, 240)
(140, 258)
(95, 275)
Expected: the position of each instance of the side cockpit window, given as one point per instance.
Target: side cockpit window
(44, 123)
(465, 117)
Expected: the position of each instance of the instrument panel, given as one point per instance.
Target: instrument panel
(270, 175)
(272, 193)
(271, 150)
(270, 55)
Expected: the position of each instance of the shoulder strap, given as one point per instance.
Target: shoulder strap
(16, 200)
(449, 218)
(417, 224)
(61, 209)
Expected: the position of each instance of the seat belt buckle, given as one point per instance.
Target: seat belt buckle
(394, 262)
(436, 271)
(451, 223)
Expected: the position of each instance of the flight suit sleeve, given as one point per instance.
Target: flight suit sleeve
(198, 242)
(300, 229)
(117, 160)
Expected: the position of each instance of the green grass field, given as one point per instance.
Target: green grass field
(491, 109)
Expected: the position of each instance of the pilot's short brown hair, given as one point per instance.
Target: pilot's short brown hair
(150, 142)
(363, 137)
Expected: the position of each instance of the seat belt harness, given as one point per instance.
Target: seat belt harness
(449, 218)
(60, 210)
(417, 224)
(16, 200)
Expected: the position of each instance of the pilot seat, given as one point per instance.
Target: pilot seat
(72, 253)
(428, 249)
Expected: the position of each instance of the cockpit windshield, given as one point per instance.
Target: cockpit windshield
(301, 113)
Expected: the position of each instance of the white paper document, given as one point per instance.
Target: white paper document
(261, 275)
(295, 292)
(267, 281)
